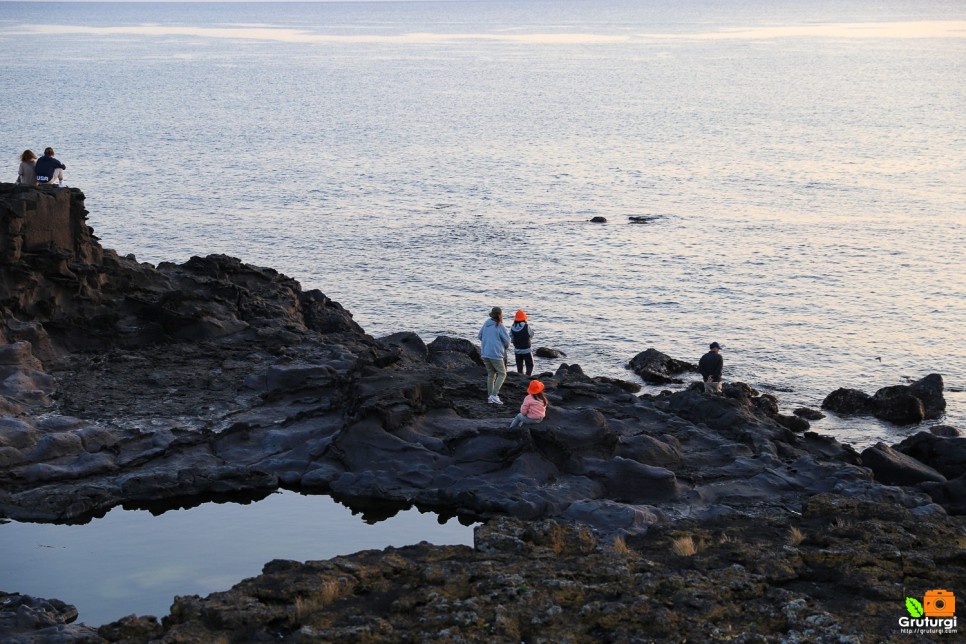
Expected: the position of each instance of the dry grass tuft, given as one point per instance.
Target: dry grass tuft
(727, 538)
(685, 546)
(306, 605)
(795, 536)
(841, 523)
(331, 590)
(620, 546)
(557, 540)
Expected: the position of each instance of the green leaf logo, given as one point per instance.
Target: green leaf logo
(914, 607)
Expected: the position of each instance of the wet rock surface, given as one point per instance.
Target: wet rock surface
(657, 368)
(126, 383)
(898, 404)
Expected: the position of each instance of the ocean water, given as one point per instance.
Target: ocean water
(421, 162)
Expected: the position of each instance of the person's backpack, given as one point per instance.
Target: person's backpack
(521, 338)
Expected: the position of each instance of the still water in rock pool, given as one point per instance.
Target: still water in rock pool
(133, 562)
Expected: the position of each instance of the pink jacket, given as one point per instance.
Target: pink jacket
(533, 408)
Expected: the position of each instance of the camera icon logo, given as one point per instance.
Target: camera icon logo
(939, 603)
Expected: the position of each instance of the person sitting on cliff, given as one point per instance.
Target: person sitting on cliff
(494, 341)
(534, 407)
(26, 176)
(710, 367)
(522, 334)
(49, 171)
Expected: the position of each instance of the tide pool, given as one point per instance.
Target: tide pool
(131, 561)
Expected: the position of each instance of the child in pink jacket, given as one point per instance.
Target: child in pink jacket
(534, 406)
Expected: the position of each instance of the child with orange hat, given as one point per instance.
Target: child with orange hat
(521, 334)
(534, 407)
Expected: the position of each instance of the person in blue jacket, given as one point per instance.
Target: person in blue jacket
(46, 168)
(494, 341)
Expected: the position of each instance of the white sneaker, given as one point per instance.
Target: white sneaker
(489, 399)
(496, 400)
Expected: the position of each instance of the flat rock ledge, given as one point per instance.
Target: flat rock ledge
(130, 384)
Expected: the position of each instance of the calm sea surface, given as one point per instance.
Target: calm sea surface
(421, 162)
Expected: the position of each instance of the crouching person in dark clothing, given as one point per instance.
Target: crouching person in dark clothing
(48, 170)
(710, 367)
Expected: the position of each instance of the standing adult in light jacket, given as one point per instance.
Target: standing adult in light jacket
(494, 341)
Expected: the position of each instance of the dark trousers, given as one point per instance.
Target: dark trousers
(527, 359)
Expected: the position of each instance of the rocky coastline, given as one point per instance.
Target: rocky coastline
(670, 517)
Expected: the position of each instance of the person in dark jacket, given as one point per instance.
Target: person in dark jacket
(710, 367)
(521, 334)
(47, 167)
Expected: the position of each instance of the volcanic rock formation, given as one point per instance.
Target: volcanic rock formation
(127, 383)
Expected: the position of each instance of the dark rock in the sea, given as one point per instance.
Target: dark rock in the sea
(794, 423)
(766, 404)
(930, 391)
(409, 343)
(547, 352)
(598, 220)
(848, 402)
(898, 405)
(657, 368)
(947, 455)
(642, 219)
(945, 430)
(808, 413)
(895, 468)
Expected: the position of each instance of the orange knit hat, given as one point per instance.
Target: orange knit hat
(521, 316)
(535, 387)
